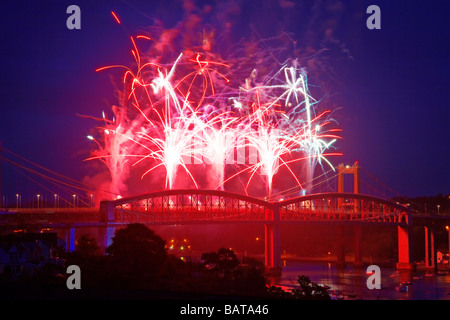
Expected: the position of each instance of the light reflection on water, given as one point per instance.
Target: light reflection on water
(350, 283)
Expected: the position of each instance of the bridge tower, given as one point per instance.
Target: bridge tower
(404, 232)
(355, 171)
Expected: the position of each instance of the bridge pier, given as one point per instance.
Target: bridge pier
(105, 237)
(69, 235)
(107, 211)
(357, 238)
(340, 247)
(405, 236)
(107, 215)
(430, 257)
(272, 249)
(272, 238)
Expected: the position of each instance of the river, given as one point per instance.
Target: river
(350, 283)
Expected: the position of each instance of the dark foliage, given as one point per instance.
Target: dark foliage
(137, 265)
(136, 249)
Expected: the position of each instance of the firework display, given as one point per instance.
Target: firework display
(192, 114)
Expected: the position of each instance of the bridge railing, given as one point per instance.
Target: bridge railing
(340, 207)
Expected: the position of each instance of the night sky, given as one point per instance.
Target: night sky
(392, 84)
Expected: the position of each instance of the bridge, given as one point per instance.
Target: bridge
(196, 206)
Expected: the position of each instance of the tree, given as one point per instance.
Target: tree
(226, 275)
(224, 260)
(86, 246)
(137, 251)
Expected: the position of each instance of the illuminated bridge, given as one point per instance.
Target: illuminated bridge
(64, 205)
(196, 206)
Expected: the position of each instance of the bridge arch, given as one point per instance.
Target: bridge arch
(186, 206)
(342, 207)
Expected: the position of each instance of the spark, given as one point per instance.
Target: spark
(115, 17)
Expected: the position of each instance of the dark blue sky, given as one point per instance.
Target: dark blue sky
(393, 86)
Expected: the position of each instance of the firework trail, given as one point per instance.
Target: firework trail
(218, 137)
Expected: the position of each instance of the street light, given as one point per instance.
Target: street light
(74, 196)
(438, 206)
(38, 195)
(56, 196)
(17, 200)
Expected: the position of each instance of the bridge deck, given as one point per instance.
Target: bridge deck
(215, 207)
